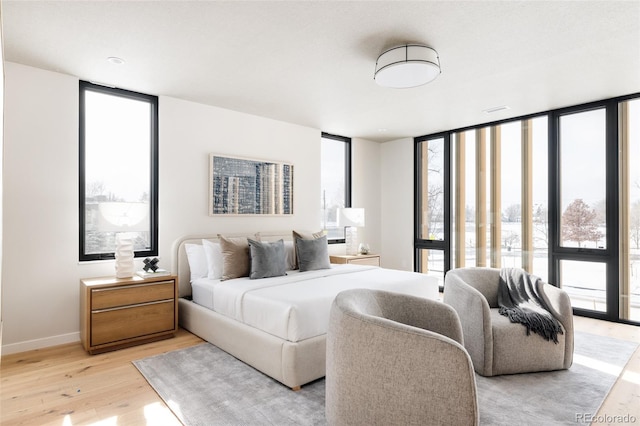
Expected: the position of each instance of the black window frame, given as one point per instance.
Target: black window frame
(425, 243)
(85, 86)
(347, 175)
(609, 256)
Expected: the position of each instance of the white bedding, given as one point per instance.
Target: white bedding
(296, 306)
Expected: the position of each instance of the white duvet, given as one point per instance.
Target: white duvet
(296, 306)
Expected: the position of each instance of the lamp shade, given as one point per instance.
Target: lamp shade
(407, 66)
(351, 217)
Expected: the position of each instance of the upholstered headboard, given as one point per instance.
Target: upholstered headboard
(181, 264)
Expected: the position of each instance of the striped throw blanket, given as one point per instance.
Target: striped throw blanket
(520, 301)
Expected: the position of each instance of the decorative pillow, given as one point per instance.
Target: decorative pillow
(289, 248)
(235, 257)
(213, 253)
(197, 260)
(303, 236)
(267, 259)
(313, 254)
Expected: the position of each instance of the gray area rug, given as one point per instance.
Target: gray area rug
(204, 385)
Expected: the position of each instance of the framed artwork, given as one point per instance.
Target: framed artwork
(241, 186)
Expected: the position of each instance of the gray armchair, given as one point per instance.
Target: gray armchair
(495, 344)
(397, 359)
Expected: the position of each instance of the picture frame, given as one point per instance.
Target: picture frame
(243, 186)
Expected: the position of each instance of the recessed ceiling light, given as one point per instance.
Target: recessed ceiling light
(115, 60)
(496, 109)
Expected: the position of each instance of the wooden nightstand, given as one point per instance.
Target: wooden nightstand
(359, 259)
(120, 312)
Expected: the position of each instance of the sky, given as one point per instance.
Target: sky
(118, 155)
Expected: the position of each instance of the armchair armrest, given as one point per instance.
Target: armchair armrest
(559, 304)
(421, 313)
(474, 312)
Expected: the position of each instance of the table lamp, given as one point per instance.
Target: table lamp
(351, 218)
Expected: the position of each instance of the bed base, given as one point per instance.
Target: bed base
(292, 364)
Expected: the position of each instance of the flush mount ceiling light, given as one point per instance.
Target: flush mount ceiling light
(407, 66)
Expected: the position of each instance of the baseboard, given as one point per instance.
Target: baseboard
(29, 345)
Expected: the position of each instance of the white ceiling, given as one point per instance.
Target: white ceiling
(312, 62)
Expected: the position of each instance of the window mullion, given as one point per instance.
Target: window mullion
(481, 197)
(460, 198)
(527, 195)
(496, 198)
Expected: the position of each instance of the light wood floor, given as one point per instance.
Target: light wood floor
(64, 385)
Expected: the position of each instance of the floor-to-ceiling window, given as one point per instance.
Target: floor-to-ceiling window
(494, 172)
(555, 193)
(582, 257)
(432, 245)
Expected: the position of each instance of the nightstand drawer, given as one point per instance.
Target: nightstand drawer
(104, 298)
(115, 324)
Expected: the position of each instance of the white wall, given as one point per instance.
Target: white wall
(41, 271)
(40, 243)
(189, 132)
(397, 204)
(365, 182)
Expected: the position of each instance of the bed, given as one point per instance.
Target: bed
(274, 324)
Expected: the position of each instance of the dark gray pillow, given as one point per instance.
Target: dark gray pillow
(304, 236)
(312, 254)
(267, 259)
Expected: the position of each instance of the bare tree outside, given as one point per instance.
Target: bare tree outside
(579, 223)
(513, 213)
(435, 191)
(511, 240)
(600, 208)
(436, 213)
(541, 225)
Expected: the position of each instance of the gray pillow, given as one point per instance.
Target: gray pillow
(304, 236)
(267, 259)
(313, 254)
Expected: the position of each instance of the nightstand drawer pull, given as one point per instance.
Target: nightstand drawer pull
(118, 308)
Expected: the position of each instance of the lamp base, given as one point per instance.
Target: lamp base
(351, 240)
(124, 258)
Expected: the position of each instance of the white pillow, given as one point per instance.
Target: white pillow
(213, 254)
(290, 255)
(197, 261)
